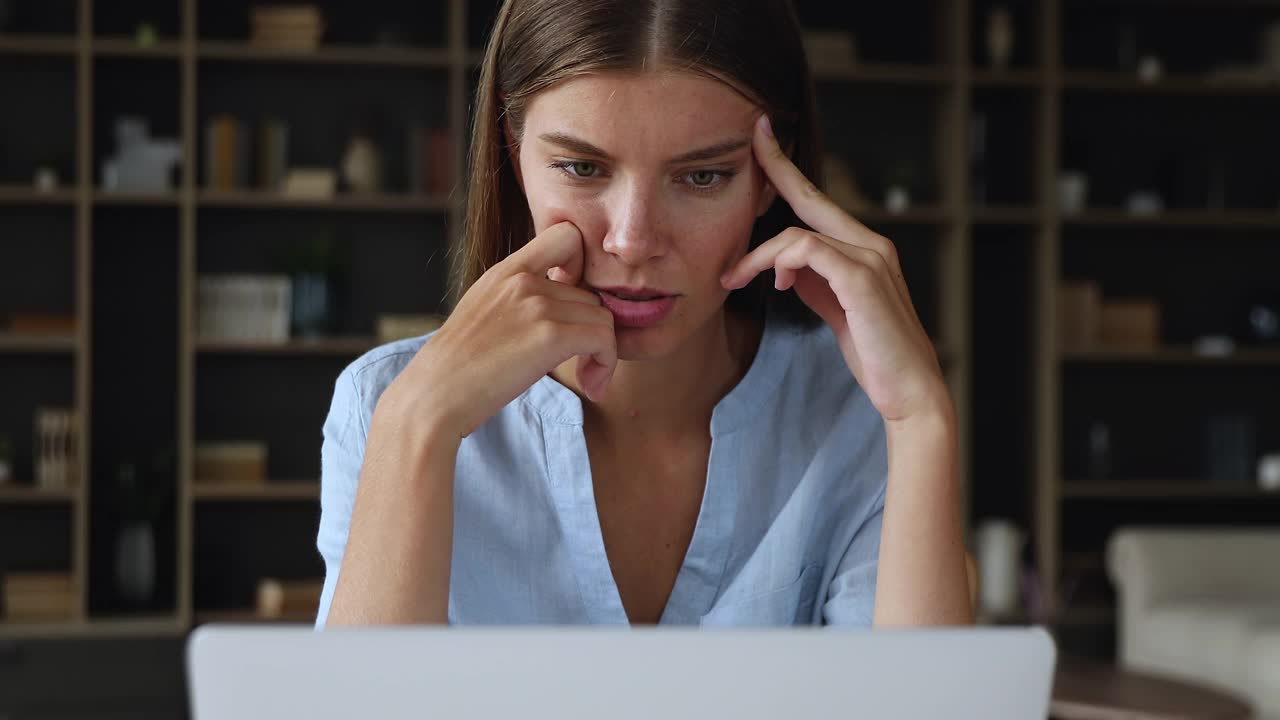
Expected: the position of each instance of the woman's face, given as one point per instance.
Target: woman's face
(656, 170)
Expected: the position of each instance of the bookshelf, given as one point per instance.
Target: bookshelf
(1157, 397)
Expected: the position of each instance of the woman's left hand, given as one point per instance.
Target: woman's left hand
(851, 278)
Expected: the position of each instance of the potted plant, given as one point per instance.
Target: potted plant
(315, 268)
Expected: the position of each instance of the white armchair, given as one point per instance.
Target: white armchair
(1203, 604)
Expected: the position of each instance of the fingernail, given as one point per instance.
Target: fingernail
(766, 125)
(724, 279)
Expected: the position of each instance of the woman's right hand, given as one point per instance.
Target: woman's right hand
(512, 326)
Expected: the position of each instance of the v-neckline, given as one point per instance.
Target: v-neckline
(570, 478)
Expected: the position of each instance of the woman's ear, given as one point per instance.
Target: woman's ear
(513, 149)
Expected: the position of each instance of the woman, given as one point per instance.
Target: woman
(621, 421)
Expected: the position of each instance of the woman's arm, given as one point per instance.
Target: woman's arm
(852, 278)
(922, 578)
(396, 566)
(511, 328)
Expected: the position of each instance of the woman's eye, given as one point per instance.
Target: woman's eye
(703, 178)
(584, 169)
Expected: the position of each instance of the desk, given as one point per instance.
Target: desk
(1088, 691)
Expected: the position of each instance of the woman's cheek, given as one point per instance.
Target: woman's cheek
(549, 208)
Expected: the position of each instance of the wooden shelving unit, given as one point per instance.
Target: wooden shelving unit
(1071, 511)
(108, 198)
(1209, 219)
(249, 617)
(271, 491)
(895, 75)
(38, 344)
(1161, 490)
(25, 195)
(437, 58)
(129, 48)
(175, 222)
(39, 44)
(303, 346)
(157, 626)
(391, 203)
(1107, 82)
(26, 494)
(1173, 356)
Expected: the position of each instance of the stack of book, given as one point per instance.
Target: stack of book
(251, 308)
(39, 597)
(231, 463)
(287, 27)
(229, 149)
(57, 436)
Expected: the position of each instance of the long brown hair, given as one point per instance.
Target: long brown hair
(754, 45)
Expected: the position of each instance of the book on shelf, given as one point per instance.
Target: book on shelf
(287, 27)
(42, 324)
(430, 160)
(227, 148)
(273, 154)
(231, 463)
(244, 308)
(57, 449)
(38, 597)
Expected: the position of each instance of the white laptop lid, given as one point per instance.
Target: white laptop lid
(258, 673)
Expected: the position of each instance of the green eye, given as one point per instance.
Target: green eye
(584, 169)
(702, 178)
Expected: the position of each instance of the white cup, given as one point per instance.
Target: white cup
(1269, 472)
(1073, 192)
(999, 549)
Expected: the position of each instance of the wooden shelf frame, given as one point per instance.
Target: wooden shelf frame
(1163, 490)
(39, 44)
(271, 491)
(387, 202)
(1181, 355)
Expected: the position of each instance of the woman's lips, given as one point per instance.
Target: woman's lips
(637, 313)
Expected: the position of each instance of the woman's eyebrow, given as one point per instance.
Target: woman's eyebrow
(583, 147)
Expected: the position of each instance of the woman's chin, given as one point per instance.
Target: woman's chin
(647, 343)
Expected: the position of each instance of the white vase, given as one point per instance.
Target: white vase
(136, 564)
(999, 549)
(362, 166)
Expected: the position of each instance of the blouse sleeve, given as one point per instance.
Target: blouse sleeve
(341, 457)
(851, 597)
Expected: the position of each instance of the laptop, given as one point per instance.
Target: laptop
(268, 673)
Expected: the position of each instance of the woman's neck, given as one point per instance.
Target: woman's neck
(670, 397)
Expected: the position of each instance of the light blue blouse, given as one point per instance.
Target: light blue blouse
(788, 532)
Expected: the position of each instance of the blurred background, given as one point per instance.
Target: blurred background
(208, 209)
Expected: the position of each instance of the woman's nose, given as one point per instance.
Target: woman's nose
(637, 231)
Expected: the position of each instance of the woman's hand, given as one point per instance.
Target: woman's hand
(510, 328)
(851, 278)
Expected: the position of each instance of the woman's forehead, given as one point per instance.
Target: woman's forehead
(664, 113)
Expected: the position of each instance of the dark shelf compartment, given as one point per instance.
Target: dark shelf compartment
(38, 127)
(41, 17)
(236, 544)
